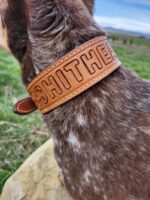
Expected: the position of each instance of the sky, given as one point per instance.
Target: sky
(129, 15)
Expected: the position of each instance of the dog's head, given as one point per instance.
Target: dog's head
(27, 28)
(14, 15)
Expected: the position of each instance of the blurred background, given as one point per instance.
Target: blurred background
(128, 25)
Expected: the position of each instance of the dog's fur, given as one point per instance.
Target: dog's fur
(102, 137)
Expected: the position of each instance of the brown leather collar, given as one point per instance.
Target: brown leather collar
(69, 76)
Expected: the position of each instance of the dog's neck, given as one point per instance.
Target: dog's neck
(56, 35)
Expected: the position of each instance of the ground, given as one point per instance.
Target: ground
(19, 135)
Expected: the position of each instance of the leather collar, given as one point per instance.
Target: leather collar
(69, 76)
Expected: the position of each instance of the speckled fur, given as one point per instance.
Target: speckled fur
(102, 137)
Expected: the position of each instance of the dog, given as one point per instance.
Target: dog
(102, 136)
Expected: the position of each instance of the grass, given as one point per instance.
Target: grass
(136, 55)
(20, 135)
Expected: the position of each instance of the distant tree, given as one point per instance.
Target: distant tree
(131, 41)
(113, 38)
(124, 41)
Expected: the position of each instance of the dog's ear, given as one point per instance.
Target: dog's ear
(90, 5)
(14, 22)
(13, 28)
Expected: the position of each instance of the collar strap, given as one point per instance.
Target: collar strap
(69, 76)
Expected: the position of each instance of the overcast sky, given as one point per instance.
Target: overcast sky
(133, 15)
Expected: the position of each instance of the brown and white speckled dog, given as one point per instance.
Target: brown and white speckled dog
(102, 137)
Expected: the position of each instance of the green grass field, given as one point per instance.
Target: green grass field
(19, 135)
